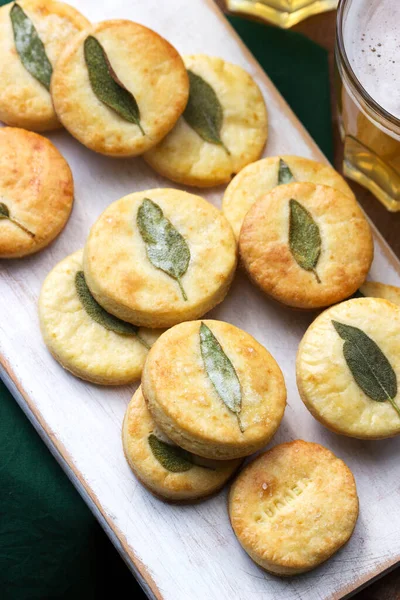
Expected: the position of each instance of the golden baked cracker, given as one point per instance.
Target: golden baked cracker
(325, 381)
(146, 65)
(124, 280)
(293, 507)
(36, 190)
(186, 405)
(345, 245)
(261, 177)
(381, 290)
(79, 343)
(184, 156)
(24, 101)
(186, 478)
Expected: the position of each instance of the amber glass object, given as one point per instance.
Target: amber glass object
(371, 134)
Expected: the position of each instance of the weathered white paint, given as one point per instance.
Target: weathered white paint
(186, 552)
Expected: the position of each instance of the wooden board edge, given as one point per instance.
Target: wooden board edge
(366, 580)
(63, 457)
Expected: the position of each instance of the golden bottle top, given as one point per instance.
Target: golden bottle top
(284, 13)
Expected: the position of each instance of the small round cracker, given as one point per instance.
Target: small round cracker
(293, 507)
(123, 279)
(381, 290)
(325, 381)
(146, 64)
(202, 479)
(187, 407)
(346, 251)
(261, 177)
(37, 187)
(185, 157)
(80, 344)
(24, 101)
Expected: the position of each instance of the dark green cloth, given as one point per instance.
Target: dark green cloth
(299, 68)
(50, 544)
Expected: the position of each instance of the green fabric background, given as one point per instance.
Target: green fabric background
(50, 544)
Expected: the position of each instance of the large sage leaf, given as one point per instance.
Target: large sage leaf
(304, 238)
(30, 47)
(221, 372)
(166, 248)
(285, 175)
(172, 458)
(203, 111)
(5, 214)
(370, 368)
(101, 316)
(106, 85)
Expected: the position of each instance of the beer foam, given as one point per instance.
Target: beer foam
(371, 36)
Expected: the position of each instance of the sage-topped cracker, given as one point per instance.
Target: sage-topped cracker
(172, 458)
(304, 238)
(204, 112)
(30, 47)
(107, 86)
(375, 289)
(82, 337)
(221, 372)
(101, 316)
(166, 248)
(5, 214)
(285, 175)
(370, 368)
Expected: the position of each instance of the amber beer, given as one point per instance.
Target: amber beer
(368, 94)
(284, 13)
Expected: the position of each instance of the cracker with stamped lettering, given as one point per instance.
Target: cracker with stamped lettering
(293, 507)
(159, 257)
(306, 245)
(33, 34)
(166, 470)
(262, 176)
(36, 192)
(348, 368)
(213, 389)
(81, 336)
(119, 88)
(223, 128)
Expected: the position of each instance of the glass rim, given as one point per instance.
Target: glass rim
(376, 108)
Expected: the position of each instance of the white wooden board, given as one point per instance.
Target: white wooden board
(186, 552)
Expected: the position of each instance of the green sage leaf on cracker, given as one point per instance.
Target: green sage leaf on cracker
(30, 47)
(5, 214)
(107, 86)
(370, 368)
(304, 238)
(166, 248)
(221, 372)
(203, 112)
(172, 458)
(101, 316)
(285, 175)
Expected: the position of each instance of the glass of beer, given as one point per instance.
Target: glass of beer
(368, 94)
(284, 13)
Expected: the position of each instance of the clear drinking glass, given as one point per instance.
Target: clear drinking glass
(284, 13)
(368, 94)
